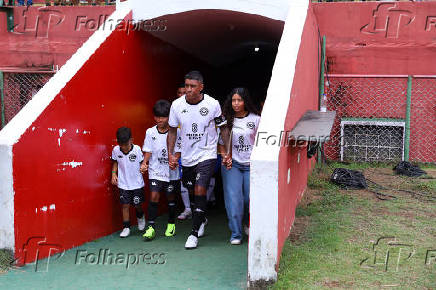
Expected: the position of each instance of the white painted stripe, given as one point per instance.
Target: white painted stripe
(7, 237)
(274, 9)
(263, 245)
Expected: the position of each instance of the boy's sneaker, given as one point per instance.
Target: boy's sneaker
(149, 234)
(125, 233)
(191, 242)
(171, 230)
(201, 229)
(246, 230)
(186, 214)
(141, 223)
(235, 242)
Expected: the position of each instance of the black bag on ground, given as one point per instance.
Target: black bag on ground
(406, 168)
(349, 178)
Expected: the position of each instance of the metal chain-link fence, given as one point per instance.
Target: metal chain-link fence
(373, 117)
(17, 89)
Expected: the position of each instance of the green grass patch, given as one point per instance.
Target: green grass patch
(350, 234)
(6, 260)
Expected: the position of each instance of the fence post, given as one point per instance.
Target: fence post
(321, 91)
(2, 100)
(407, 129)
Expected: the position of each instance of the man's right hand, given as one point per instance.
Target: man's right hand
(173, 161)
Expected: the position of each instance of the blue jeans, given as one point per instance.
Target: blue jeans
(236, 184)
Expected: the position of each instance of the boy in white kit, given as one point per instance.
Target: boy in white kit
(161, 178)
(127, 159)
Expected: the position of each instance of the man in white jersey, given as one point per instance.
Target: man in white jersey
(161, 178)
(127, 159)
(198, 115)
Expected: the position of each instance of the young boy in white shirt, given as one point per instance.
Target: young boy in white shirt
(127, 159)
(161, 178)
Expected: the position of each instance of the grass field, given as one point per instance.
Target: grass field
(352, 239)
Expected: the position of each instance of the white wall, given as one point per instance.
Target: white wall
(146, 10)
(7, 238)
(264, 174)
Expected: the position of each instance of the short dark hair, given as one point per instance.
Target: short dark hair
(181, 85)
(162, 108)
(194, 75)
(123, 135)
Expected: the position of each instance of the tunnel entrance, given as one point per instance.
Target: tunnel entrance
(231, 49)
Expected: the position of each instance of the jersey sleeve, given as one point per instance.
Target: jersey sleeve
(178, 146)
(147, 142)
(173, 120)
(141, 155)
(114, 155)
(219, 118)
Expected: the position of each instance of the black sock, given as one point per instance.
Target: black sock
(171, 212)
(192, 202)
(126, 224)
(199, 213)
(139, 213)
(152, 212)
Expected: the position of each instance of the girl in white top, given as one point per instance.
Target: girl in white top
(243, 120)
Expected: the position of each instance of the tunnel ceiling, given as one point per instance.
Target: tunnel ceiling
(220, 37)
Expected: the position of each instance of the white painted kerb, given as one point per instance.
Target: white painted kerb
(264, 174)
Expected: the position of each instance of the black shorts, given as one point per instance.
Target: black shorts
(199, 174)
(133, 197)
(172, 187)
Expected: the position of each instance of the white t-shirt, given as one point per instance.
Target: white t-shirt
(129, 176)
(197, 124)
(243, 137)
(155, 143)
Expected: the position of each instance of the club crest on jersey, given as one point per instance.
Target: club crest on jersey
(204, 111)
(241, 140)
(132, 157)
(251, 125)
(194, 127)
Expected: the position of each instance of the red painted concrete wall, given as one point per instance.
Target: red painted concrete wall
(304, 96)
(116, 87)
(378, 38)
(44, 37)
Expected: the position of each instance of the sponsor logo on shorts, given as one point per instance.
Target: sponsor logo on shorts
(198, 176)
(170, 188)
(204, 111)
(251, 125)
(153, 183)
(189, 183)
(132, 157)
(136, 200)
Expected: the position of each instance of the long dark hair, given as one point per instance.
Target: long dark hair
(228, 111)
